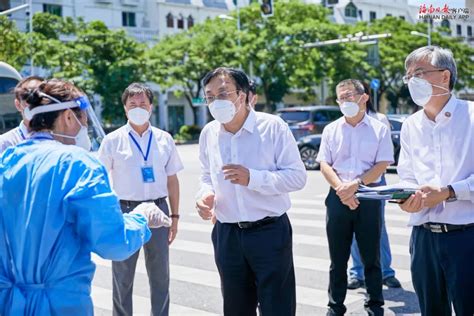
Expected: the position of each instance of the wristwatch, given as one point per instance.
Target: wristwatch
(174, 216)
(452, 194)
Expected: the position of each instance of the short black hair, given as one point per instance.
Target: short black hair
(137, 88)
(21, 91)
(239, 77)
(357, 84)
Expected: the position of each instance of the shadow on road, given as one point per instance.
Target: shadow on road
(407, 297)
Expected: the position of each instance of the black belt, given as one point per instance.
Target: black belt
(262, 222)
(445, 228)
(129, 203)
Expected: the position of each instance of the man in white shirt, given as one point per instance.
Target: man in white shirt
(249, 164)
(143, 163)
(437, 152)
(20, 133)
(355, 149)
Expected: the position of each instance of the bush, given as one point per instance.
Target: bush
(188, 133)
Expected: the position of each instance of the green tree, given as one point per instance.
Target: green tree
(97, 59)
(13, 44)
(182, 60)
(393, 51)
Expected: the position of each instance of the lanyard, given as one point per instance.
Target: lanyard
(21, 134)
(145, 157)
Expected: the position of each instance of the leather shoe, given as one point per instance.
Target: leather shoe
(392, 282)
(355, 284)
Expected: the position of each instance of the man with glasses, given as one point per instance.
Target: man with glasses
(437, 150)
(355, 149)
(249, 164)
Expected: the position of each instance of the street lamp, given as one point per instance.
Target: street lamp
(428, 36)
(228, 17)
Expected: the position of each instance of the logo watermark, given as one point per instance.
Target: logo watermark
(443, 12)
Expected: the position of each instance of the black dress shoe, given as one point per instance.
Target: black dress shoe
(392, 282)
(355, 284)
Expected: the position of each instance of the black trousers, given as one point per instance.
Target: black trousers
(256, 268)
(341, 224)
(442, 270)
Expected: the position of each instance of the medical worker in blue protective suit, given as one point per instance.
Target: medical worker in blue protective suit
(56, 207)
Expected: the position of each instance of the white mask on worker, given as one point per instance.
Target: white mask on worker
(421, 90)
(138, 116)
(223, 111)
(350, 109)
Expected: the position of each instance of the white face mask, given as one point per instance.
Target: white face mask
(350, 109)
(421, 90)
(223, 110)
(82, 137)
(138, 116)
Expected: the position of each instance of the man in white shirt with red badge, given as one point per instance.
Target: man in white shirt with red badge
(143, 163)
(437, 152)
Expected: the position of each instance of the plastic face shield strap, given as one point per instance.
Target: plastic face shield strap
(96, 132)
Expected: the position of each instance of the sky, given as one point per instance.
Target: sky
(440, 3)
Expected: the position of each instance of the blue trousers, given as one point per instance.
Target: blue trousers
(357, 270)
(442, 271)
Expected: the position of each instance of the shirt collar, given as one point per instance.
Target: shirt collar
(129, 129)
(23, 129)
(249, 123)
(365, 121)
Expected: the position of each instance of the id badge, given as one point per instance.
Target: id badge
(147, 174)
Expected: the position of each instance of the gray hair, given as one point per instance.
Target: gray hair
(441, 58)
(358, 86)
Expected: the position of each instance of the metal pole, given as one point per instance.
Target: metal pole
(32, 68)
(238, 28)
(429, 31)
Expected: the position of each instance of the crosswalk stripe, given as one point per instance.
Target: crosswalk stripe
(102, 298)
(305, 295)
(302, 262)
(310, 240)
(321, 224)
(390, 215)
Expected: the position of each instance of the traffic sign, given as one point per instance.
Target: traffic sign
(199, 102)
(375, 84)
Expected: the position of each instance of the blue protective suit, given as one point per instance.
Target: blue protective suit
(56, 207)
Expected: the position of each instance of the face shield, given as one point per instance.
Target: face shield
(94, 128)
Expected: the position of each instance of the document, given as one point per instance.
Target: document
(398, 192)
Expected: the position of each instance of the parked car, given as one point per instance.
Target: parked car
(308, 120)
(309, 145)
(396, 121)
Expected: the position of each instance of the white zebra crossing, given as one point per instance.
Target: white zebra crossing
(313, 212)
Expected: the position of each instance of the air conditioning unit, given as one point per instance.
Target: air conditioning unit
(104, 1)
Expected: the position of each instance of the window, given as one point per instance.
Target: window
(402, 17)
(190, 22)
(445, 23)
(53, 9)
(128, 19)
(469, 31)
(333, 1)
(360, 14)
(372, 16)
(170, 20)
(458, 30)
(351, 10)
(321, 116)
(388, 14)
(180, 22)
